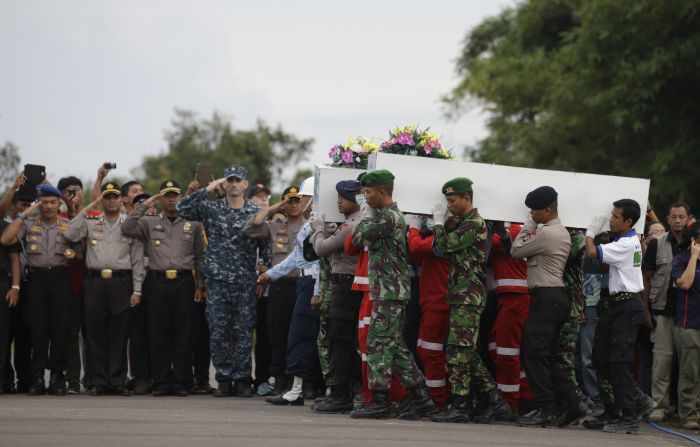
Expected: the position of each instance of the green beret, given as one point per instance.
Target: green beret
(376, 178)
(458, 185)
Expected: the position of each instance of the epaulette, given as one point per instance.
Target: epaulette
(89, 217)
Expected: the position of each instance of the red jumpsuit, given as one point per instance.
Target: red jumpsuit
(513, 297)
(361, 282)
(435, 314)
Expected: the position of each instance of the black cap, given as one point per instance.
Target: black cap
(359, 177)
(347, 188)
(541, 198)
(110, 188)
(65, 182)
(291, 192)
(170, 186)
(257, 189)
(141, 198)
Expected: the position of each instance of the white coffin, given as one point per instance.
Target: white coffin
(325, 195)
(499, 191)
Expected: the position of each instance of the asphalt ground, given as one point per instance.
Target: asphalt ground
(199, 421)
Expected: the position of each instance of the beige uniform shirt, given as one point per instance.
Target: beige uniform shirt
(333, 245)
(546, 249)
(282, 236)
(171, 245)
(108, 247)
(44, 242)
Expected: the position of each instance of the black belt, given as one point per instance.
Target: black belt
(341, 277)
(623, 296)
(108, 273)
(170, 274)
(48, 270)
(287, 280)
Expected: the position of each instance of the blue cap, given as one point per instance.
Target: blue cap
(47, 190)
(236, 171)
(347, 189)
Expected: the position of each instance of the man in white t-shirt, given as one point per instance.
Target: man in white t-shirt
(627, 313)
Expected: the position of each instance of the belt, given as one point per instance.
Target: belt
(109, 273)
(170, 274)
(341, 277)
(47, 270)
(623, 296)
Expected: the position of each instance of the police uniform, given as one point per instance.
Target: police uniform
(115, 271)
(229, 266)
(546, 248)
(6, 280)
(175, 247)
(345, 362)
(282, 292)
(47, 310)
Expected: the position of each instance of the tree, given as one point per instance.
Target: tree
(601, 86)
(265, 151)
(9, 164)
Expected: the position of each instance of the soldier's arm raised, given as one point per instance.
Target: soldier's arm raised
(134, 225)
(192, 206)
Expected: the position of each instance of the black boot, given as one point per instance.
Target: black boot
(37, 387)
(57, 384)
(281, 383)
(339, 401)
(309, 389)
(609, 416)
(488, 405)
(628, 424)
(224, 389)
(577, 410)
(459, 409)
(243, 388)
(377, 409)
(421, 405)
(539, 418)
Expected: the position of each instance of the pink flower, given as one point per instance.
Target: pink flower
(389, 143)
(334, 151)
(405, 139)
(347, 157)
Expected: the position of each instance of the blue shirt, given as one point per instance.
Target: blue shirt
(295, 259)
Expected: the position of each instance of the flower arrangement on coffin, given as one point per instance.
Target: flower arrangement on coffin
(353, 154)
(411, 140)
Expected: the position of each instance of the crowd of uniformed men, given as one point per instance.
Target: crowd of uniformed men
(446, 317)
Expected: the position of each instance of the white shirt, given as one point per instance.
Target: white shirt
(624, 256)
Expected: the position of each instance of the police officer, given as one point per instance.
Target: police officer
(48, 294)
(282, 293)
(175, 246)
(115, 273)
(229, 266)
(627, 311)
(545, 243)
(9, 297)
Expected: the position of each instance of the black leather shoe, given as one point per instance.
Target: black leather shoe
(121, 391)
(609, 416)
(578, 411)
(377, 409)
(459, 409)
(281, 383)
(57, 384)
(180, 391)
(98, 390)
(538, 418)
(334, 404)
(243, 388)
(223, 389)
(37, 388)
(279, 400)
(420, 405)
(161, 390)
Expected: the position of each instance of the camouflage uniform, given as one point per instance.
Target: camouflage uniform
(229, 266)
(389, 288)
(324, 296)
(573, 282)
(467, 251)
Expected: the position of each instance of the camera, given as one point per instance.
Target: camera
(109, 165)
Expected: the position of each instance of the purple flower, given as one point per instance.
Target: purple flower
(389, 143)
(405, 139)
(334, 151)
(346, 156)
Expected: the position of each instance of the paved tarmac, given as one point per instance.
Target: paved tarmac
(202, 421)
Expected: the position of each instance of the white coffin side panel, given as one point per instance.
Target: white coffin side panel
(325, 195)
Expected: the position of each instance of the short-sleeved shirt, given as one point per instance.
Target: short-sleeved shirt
(624, 256)
(688, 301)
(5, 250)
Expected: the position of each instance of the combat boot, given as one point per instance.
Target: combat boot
(57, 384)
(610, 415)
(377, 409)
(243, 388)
(421, 405)
(338, 402)
(488, 404)
(37, 388)
(224, 389)
(280, 388)
(645, 405)
(573, 413)
(459, 409)
(539, 418)
(628, 424)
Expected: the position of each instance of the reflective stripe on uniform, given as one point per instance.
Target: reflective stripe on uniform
(511, 283)
(508, 388)
(492, 346)
(522, 375)
(363, 280)
(429, 345)
(507, 351)
(364, 357)
(363, 322)
(435, 383)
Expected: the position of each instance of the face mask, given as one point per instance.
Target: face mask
(430, 224)
(360, 199)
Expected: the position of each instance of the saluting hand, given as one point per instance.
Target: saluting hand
(28, 212)
(215, 184)
(152, 200)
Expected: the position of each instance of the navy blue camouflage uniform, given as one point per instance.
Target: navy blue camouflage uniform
(229, 266)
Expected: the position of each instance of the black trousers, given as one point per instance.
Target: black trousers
(411, 324)
(18, 364)
(139, 359)
(47, 314)
(549, 309)
(4, 327)
(616, 351)
(302, 346)
(344, 359)
(74, 362)
(107, 315)
(170, 329)
(201, 357)
(280, 307)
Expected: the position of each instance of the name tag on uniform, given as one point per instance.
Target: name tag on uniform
(159, 227)
(187, 227)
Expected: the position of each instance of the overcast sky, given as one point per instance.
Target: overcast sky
(84, 82)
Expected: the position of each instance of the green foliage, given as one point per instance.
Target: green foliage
(9, 165)
(600, 86)
(266, 152)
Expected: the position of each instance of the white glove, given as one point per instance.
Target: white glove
(529, 224)
(319, 222)
(596, 226)
(368, 211)
(415, 221)
(440, 213)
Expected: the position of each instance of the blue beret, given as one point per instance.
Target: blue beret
(47, 190)
(541, 198)
(347, 189)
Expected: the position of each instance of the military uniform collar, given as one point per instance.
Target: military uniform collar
(122, 217)
(164, 217)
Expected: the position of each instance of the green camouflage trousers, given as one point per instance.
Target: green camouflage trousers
(463, 362)
(387, 353)
(322, 342)
(567, 342)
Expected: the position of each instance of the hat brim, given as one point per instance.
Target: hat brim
(110, 191)
(292, 195)
(171, 189)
